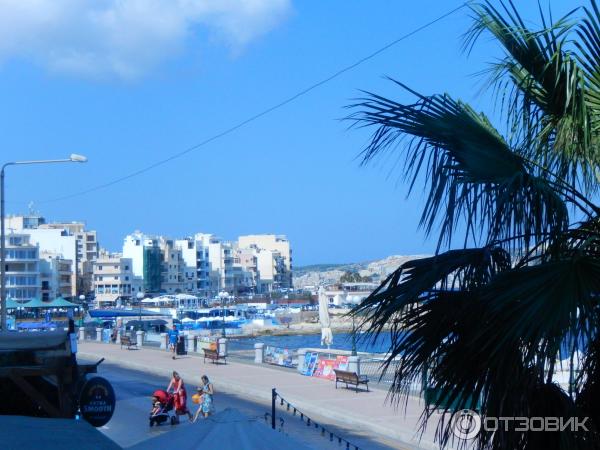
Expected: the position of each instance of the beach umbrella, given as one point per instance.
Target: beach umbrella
(326, 335)
(228, 429)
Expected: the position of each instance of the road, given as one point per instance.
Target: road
(129, 424)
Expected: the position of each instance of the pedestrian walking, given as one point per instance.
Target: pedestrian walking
(173, 337)
(207, 391)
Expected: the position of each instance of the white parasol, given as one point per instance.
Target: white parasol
(326, 335)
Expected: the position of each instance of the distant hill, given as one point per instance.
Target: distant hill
(301, 270)
(318, 274)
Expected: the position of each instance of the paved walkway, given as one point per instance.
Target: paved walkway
(366, 413)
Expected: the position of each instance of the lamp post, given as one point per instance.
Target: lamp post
(81, 309)
(140, 297)
(223, 295)
(72, 158)
(353, 337)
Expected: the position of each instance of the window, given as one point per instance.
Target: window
(117, 266)
(126, 278)
(116, 278)
(126, 267)
(99, 267)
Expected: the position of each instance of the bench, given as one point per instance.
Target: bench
(343, 376)
(213, 355)
(126, 340)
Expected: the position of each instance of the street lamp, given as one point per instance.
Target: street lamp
(140, 296)
(82, 309)
(72, 158)
(223, 295)
(353, 337)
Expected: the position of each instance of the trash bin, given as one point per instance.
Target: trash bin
(181, 345)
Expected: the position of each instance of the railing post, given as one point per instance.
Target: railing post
(222, 347)
(301, 357)
(273, 399)
(163, 341)
(82, 334)
(99, 334)
(189, 340)
(139, 338)
(354, 364)
(259, 353)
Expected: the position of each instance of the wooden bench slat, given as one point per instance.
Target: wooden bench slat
(127, 341)
(344, 376)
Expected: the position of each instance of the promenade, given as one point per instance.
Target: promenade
(367, 413)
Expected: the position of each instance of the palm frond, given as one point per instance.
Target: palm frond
(547, 105)
(473, 174)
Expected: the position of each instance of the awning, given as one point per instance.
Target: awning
(62, 303)
(37, 303)
(110, 313)
(36, 325)
(13, 304)
(107, 297)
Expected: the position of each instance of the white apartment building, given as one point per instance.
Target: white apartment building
(281, 250)
(45, 234)
(22, 267)
(87, 251)
(195, 254)
(23, 222)
(246, 258)
(57, 242)
(173, 267)
(146, 259)
(205, 265)
(114, 281)
(271, 270)
(55, 275)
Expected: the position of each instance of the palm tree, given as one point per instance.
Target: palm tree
(488, 318)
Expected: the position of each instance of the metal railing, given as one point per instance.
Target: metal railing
(240, 348)
(373, 368)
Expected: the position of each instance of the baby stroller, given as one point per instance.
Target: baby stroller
(163, 408)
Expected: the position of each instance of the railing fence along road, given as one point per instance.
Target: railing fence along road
(325, 432)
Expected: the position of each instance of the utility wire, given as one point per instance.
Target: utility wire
(258, 115)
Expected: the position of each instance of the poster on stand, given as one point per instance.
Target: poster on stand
(326, 367)
(278, 356)
(310, 363)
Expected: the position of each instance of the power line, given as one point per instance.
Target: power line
(258, 115)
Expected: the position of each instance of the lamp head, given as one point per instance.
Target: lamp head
(77, 158)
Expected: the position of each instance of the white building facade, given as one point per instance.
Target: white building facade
(114, 281)
(22, 268)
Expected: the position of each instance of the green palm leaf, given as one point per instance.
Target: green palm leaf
(547, 106)
(472, 172)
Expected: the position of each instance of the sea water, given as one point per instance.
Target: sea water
(341, 341)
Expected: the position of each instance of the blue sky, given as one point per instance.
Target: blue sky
(132, 90)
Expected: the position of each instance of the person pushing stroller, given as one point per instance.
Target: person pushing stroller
(180, 396)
